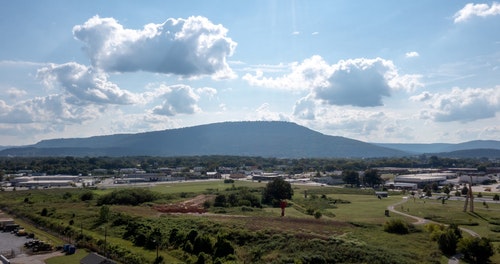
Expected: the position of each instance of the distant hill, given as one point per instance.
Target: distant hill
(259, 138)
(468, 153)
(442, 147)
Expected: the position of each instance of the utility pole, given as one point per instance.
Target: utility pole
(105, 242)
(471, 195)
(466, 198)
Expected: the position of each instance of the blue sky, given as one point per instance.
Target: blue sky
(376, 71)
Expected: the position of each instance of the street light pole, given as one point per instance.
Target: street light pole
(156, 243)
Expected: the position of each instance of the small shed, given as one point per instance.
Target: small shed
(94, 258)
(381, 194)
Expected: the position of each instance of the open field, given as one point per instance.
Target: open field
(351, 223)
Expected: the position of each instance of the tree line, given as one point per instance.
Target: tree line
(86, 165)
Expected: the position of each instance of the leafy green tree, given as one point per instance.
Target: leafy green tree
(220, 201)
(202, 243)
(87, 196)
(372, 177)
(448, 240)
(435, 186)
(476, 250)
(446, 189)
(350, 177)
(222, 248)
(104, 214)
(44, 212)
(465, 190)
(277, 190)
(496, 197)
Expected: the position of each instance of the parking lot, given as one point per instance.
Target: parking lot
(11, 243)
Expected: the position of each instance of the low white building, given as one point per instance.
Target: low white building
(45, 181)
(422, 179)
(476, 179)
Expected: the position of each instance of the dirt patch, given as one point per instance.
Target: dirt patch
(194, 205)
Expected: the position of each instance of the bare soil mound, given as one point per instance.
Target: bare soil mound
(194, 205)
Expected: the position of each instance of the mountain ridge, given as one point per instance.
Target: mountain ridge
(244, 138)
(247, 138)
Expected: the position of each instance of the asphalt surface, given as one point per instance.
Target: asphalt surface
(10, 242)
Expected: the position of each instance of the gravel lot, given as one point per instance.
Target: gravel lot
(9, 242)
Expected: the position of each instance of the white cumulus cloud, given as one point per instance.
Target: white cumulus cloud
(464, 105)
(305, 108)
(312, 72)
(51, 110)
(85, 84)
(177, 99)
(482, 10)
(357, 82)
(188, 47)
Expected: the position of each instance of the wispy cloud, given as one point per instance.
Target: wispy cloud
(412, 54)
(471, 10)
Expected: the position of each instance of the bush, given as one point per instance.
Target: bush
(222, 248)
(44, 212)
(317, 214)
(396, 226)
(87, 196)
(220, 201)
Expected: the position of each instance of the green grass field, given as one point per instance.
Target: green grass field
(351, 216)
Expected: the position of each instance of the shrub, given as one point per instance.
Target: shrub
(220, 201)
(246, 209)
(222, 248)
(87, 196)
(317, 214)
(66, 195)
(396, 226)
(202, 243)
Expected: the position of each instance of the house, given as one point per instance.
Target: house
(94, 258)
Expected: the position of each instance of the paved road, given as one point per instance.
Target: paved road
(419, 221)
